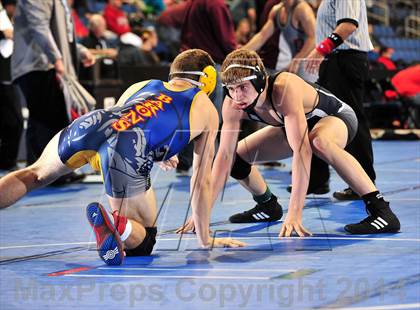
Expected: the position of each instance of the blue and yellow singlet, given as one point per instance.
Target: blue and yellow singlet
(152, 124)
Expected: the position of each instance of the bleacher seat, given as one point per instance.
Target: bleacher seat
(382, 31)
(96, 6)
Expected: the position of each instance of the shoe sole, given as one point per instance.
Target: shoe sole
(111, 250)
(262, 221)
(255, 221)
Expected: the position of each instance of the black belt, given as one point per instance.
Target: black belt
(350, 52)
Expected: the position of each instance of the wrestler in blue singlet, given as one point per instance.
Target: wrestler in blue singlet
(153, 124)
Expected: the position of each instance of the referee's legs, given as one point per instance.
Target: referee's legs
(344, 75)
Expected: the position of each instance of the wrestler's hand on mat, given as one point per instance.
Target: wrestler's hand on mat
(293, 223)
(313, 61)
(225, 243)
(187, 227)
(169, 164)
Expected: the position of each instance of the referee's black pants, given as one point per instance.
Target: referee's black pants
(344, 74)
(11, 126)
(47, 110)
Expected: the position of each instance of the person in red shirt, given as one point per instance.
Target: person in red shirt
(79, 27)
(385, 54)
(209, 26)
(173, 15)
(116, 19)
(406, 83)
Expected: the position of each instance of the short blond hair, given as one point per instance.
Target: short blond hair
(190, 60)
(240, 57)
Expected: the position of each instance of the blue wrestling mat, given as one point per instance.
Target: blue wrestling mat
(48, 258)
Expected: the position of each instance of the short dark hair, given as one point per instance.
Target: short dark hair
(7, 2)
(384, 49)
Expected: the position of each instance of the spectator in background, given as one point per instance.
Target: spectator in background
(208, 26)
(169, 25)
(269, 51)
(155, 7)
(407, 84)
(102, 47)
(11, 122)
(150, 41)
(296, 21)
(243, 32)
(45, 47)
(385, 55)
(97, 41)
(79, 27)
(373, 39)
(173, 15)
(137, 53)
(315, 5)
(407, 87)
(373, 55)
(116, 19)
(241, 9)
(129, 50)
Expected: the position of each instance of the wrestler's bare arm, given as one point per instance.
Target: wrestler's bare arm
(290, 91)
(200, 181)
(227, 148)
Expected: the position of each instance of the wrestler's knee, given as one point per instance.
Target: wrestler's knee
(320, 145)
(146, 247)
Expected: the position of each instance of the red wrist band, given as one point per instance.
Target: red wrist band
(325, 47)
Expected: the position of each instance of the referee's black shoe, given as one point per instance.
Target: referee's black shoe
(269, 211)
(317, 190)
(346, 194)
(380, 220)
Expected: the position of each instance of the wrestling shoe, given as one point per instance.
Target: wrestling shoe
(108, 241)
(269, 211)
(380, 220)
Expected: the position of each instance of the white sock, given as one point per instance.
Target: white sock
(127, 231)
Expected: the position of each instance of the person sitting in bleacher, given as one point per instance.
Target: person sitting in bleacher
(407, 84)
(97, 41)
(79, 20)
(150, 41)
(116, 19)
(385, 58)
(137, 53)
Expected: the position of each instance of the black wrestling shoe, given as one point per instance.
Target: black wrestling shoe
(182, 172)
(269, 211)
(320, 190)
(381, 220)
(70, 178)
(346, 194)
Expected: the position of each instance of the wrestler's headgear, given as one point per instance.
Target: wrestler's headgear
(257, 78)
(206, 82)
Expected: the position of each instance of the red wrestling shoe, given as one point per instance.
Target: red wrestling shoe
(108, 240)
